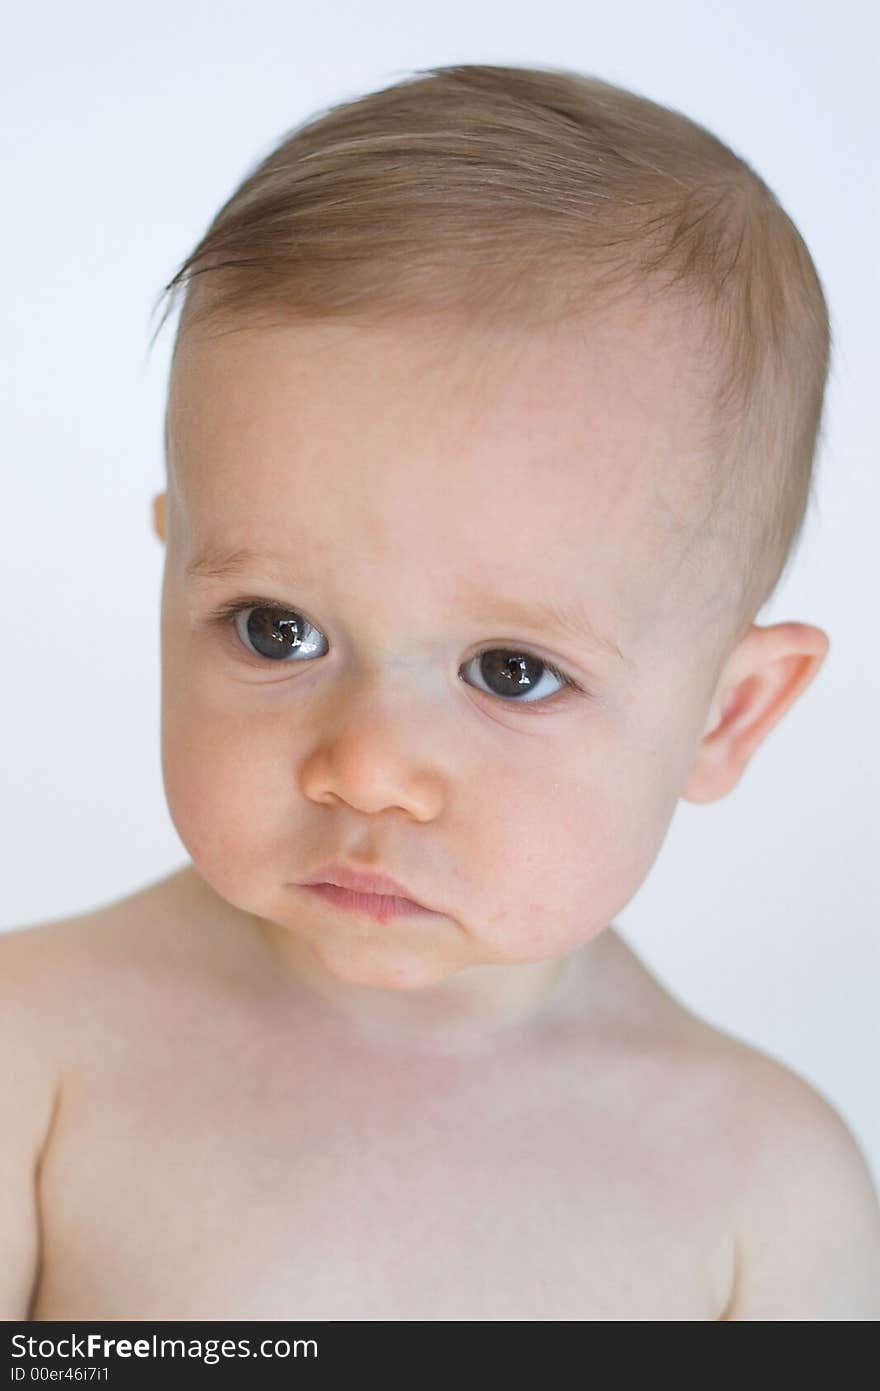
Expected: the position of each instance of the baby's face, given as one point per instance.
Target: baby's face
(440, 520)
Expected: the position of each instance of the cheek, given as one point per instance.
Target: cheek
(576, 850)
(217, 785)
(223, 796)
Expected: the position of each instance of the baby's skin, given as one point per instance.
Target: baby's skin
(194, 1138)
(453, 606)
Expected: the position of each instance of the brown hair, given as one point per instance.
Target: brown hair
(526, 194)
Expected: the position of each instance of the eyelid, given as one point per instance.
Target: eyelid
(225, 614)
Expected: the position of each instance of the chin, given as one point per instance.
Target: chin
(387, 972)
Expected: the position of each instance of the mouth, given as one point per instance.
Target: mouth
(362, 882)
(378, 906)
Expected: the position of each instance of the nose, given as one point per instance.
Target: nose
(373, 759)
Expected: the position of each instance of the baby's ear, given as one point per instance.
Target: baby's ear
(764, 675)
(159, 516)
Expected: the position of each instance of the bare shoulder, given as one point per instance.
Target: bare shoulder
(808, 1218)
(115, 981)
(64, 981)
(796, 1194)
(804, 1211)
(153, 935)
(27, 1003)
(66, 989)
(51, 987)
(29, 1083)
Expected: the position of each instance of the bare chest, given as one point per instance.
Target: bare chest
(207, 1181)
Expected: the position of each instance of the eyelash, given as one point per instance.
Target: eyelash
(225, 616)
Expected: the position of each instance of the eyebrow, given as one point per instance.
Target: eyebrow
(214, 563)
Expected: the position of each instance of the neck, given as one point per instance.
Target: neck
(477, 1009)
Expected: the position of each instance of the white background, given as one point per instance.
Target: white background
(124, 128)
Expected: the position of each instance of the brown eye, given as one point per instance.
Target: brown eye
(516, 675)
(275, 633)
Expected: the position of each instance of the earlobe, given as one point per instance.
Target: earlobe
(762, 680)
(159, 515)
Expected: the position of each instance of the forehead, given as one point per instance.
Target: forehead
(511, 456)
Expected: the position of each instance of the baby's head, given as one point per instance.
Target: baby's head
(490, 429)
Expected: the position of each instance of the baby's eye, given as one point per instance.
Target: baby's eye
(517, 674)
(276, 633)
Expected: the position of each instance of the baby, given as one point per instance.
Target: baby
(490, 427)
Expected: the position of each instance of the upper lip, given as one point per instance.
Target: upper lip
(361, 882)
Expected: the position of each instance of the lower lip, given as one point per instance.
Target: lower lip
(380, 906)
